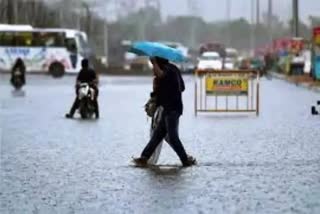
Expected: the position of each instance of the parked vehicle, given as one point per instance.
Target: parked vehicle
(189, 66)
(231, 58)
(229, 63)
(210, 60)
(252, 63)
(213, 47)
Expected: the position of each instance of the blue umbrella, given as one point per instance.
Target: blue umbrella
(153, 49)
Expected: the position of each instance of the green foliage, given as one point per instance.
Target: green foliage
(315, 21)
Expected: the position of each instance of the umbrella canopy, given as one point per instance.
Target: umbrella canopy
(153, 49)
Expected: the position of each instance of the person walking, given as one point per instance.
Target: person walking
(170, 86)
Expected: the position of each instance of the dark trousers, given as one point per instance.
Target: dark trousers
(76, 102)
(168, 125)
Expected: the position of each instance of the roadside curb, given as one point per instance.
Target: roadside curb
(302, 85)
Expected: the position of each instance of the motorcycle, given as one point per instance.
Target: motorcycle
(86, 100)
(17, 79)
(315, 110)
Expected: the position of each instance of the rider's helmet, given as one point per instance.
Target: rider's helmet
(85, 63)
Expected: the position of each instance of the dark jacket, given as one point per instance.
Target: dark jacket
(170, 88)
(87, 76)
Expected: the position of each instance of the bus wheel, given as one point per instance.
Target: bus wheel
(56, 69)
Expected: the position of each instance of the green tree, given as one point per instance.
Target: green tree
(315, 21)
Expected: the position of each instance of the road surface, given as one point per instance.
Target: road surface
(247, 164)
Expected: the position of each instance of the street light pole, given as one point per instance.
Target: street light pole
(106, 44)
(193, 9)
(258, 12)
(295, 13)
(252, 34)
(270, 18)
(143, 23)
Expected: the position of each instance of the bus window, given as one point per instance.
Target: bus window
(32, 39)
(14, 39)
(6, 39)
(22, 39)
(50, 39)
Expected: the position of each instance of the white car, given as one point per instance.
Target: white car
(229, 63)
(210, 60)
(133, 61)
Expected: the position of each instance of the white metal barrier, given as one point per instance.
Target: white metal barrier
(227, 91)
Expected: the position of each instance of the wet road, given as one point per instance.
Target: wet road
(269, 164)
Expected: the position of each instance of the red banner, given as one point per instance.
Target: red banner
(316, 35)
(296, 45)
(281, 44)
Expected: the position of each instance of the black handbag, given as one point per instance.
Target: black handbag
(151, 107)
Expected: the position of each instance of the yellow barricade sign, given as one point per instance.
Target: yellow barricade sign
(226, 85)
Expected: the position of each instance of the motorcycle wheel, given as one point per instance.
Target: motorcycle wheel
(17, 84)
(86, 110)
(83, 113)
(83, 109)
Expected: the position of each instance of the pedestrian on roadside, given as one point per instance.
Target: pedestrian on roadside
(168, 93)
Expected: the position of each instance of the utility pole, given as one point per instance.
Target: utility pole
(270, 12)
(193, 9)
(258, 12)
(88, 16)
(257, 24)
(144, 22)
(105, 39)
(252, 33)
(295, 19)
(270, 18)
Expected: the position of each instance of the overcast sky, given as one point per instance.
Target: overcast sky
(216, 9)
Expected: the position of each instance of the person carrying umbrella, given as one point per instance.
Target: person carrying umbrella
(170, 86)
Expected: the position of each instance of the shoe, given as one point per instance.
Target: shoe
(69, 116)
(140, 162)
(190, 162)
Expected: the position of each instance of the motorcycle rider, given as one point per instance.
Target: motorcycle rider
(86, 75)
(20, 66)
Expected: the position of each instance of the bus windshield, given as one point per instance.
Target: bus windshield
(32, 39)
